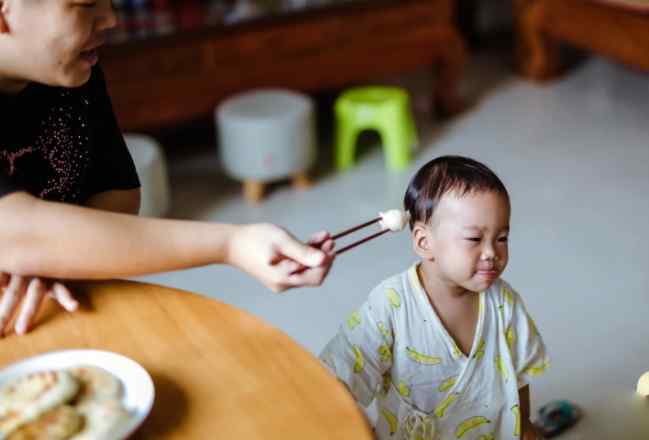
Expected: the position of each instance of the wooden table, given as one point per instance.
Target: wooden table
(218, 371)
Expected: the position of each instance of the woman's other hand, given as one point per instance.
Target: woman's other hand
(22, 296)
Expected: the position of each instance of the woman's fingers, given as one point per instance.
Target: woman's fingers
(30, 292)
(306, 255)
(308, 277)
(11, 297)
(33, 299)
(318, 238)
(64, 297)
(328, 246)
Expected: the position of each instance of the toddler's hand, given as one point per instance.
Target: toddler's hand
(277, 259)
(31, 291)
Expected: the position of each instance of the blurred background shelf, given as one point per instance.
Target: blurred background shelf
(171, 63)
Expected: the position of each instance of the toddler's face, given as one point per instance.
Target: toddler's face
(57, 38)
(469, 239)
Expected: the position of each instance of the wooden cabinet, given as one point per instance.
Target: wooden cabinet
(181, 77)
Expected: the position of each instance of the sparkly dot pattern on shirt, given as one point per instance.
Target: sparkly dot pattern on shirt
(63, 144)
(57, 148)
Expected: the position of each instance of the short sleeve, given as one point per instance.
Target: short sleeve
(361, 351)
(112, 166)
(523, 339)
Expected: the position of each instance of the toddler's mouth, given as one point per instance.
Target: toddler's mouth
(487, 273)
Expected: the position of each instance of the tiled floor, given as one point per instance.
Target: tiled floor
(575, 157)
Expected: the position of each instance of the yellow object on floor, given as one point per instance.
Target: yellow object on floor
(643, 385)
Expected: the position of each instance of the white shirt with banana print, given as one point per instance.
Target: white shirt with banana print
(395, 349)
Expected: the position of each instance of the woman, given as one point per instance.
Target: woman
(68, 187)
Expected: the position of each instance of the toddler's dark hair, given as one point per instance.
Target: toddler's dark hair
(445, 174)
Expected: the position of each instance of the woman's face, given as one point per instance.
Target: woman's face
(55, 41)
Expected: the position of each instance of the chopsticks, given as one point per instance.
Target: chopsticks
(361, 241)
(355, 228)
(393, 220)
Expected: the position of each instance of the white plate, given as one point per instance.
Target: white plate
(138, 386)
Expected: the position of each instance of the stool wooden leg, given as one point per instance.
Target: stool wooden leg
(253, 190)
(301, 181)
(537, 54)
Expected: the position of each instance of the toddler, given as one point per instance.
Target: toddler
(446, 347)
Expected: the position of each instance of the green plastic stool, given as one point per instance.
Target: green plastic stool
(384, 109)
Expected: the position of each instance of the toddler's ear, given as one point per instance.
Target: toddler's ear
(422, 241)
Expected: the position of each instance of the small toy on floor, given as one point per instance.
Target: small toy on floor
(643, 385)
(557, 416)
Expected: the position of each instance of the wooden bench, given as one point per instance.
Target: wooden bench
(615, 29)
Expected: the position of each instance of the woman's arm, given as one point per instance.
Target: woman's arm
(22, 296)
(56, 240)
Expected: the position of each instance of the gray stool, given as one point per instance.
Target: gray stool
(152, 171)
(266, 135)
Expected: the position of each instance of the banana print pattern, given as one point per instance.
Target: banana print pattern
(354, 320)
(419, 427)
(385, 354)
(387, 383)
(502, 369)
(389, 350)
(456, 350)
(422, 358)
(533, 330)
(479, 353)
(538, 370)
(470, 424)
(393, 423)
(393, 298)
(447, 384)
(507, 293)
(510, 335)
(359, 360)
(517, 423)
(387, 334)
(404, 389)
(440, 410)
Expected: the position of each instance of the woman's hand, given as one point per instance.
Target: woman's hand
(30, 291)
(279, 260)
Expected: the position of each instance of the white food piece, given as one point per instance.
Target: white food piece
(643, 385)
(394, 220)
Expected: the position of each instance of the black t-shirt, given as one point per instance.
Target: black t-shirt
(63, 144)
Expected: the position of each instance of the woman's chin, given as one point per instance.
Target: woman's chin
(75, 78)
